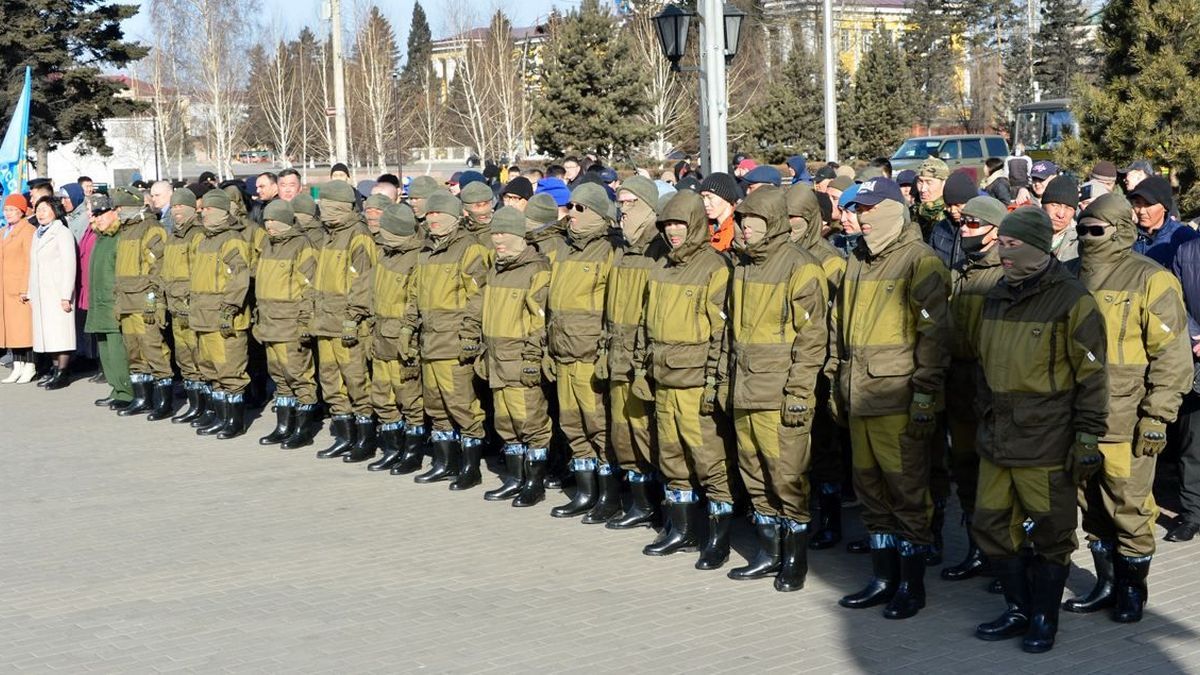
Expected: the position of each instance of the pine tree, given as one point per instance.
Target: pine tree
(592, 88)
(883, 116)
(1143, 105)
(419, 55)
(67, 43)
(1058, 45)
(789, 119)
(929, 49)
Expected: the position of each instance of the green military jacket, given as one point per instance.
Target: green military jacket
(283, 287)
(445, 298)
(140, 244)
(778, 305)
(685, 304)
(1042, 351)
(102, 268)
(344, 279)
(626, 298)
(220, 278)
(514, 317)
(176, 269)
(579, 281)
(971, 285)
(891, 328)
(550, 240)
(393, 281)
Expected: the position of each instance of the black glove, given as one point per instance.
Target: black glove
(1084, 459)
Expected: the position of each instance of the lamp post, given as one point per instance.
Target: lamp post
(720, 36)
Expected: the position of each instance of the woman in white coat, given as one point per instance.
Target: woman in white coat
(51, 294)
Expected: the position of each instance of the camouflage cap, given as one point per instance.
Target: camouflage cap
(933, 168)
(125, 197)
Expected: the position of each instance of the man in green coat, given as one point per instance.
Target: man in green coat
(102, 315)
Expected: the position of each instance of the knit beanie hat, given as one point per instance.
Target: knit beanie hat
(959, 189)
(444, 202)
(508, 220)
(476, 192)
(1029, 224)
(183, 197)
(1104, 170)
(336, 191)
(213, 199)
(595, 197)
(541, 209)
(279, 210)
(399, 219)
(519, 186)
(422, 187)
(556, 188)
(722, 185)
(644, 188)
(377, 201)
(1061, 190)
(18, 201)
(988, 210)
(303, 203)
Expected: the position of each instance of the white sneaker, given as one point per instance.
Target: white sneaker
(16, 373)
(28, 372)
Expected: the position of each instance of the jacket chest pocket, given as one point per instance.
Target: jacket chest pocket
(1041, 365)
(1117, 308)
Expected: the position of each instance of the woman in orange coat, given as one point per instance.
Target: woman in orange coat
(16, 317)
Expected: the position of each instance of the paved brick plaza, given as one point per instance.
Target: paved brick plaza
(135, 547)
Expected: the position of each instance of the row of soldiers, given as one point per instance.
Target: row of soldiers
(699, 378)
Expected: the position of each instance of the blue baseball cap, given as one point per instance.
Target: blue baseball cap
(876, 190)
(848, 195)
(763, 174)
(906, 177)
(608, 176)
(1043, 169)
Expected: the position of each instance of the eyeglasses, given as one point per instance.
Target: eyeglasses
(572, 206)
(1091, 230)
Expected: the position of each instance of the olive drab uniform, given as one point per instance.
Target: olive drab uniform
(177, 285)
(550, 240)
(395, 382)
(1148, 361)
(779, 340)
(685, 328)
(102, 318)
(139, 300)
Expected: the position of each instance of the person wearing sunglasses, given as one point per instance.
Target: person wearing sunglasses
(1149, 355)
(979, 224)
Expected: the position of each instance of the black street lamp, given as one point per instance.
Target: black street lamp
(672, 27)
(733, 31)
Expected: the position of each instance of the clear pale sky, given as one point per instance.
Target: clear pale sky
(292, 15)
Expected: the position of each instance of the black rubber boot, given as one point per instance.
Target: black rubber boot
(793, 569)
(1131, 590)
(164, 401)
(118, 405)
(342, 428)
(285, 425)
(829, 528)
(305, 428)
(103, 402)
(514, 467)
(533, 490)
(1046, 582)
(235, 419)
(193, 410)
(910, 594)
(141, 399)
(971, 566)
(445, 462)
(1101, 595)
(1014, 622)
(585, 495)
(766, 562)
(679, 534)
(411, 455)
(364, 442)
(608, 505)
(716, 547)
(389, 440)
(208, 410)
(471, 452)
(220, 410)
(885, 576)
(643, 510)
(933, 556)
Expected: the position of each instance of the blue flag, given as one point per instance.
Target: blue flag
(14, 151)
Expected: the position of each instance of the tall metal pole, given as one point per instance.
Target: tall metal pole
(831, 139)
(339, 82)
(712, 19)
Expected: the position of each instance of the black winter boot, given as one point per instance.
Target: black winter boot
(716, 547)
(766, 561)
(445, 462)
(208, 409)
(533, 490)
(220, 407)
(364, 442)
(1014, 622)
(194, 398)
(829, 528)
(794, 566)
(514, 467)
(235, 419)
(885, 575)
(643, 511)
(608, 505)
(388, 436)
(910, 594)
(342, 428)
(285, 423)
(411, 455)
(679, 533)
(971, 566)
(933, 556)
(585, 495)
(164, 400)
(471, 451)
(1046, 582)
(304, 428)
(1131, 590)
(142, 391)
(1101, 596)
